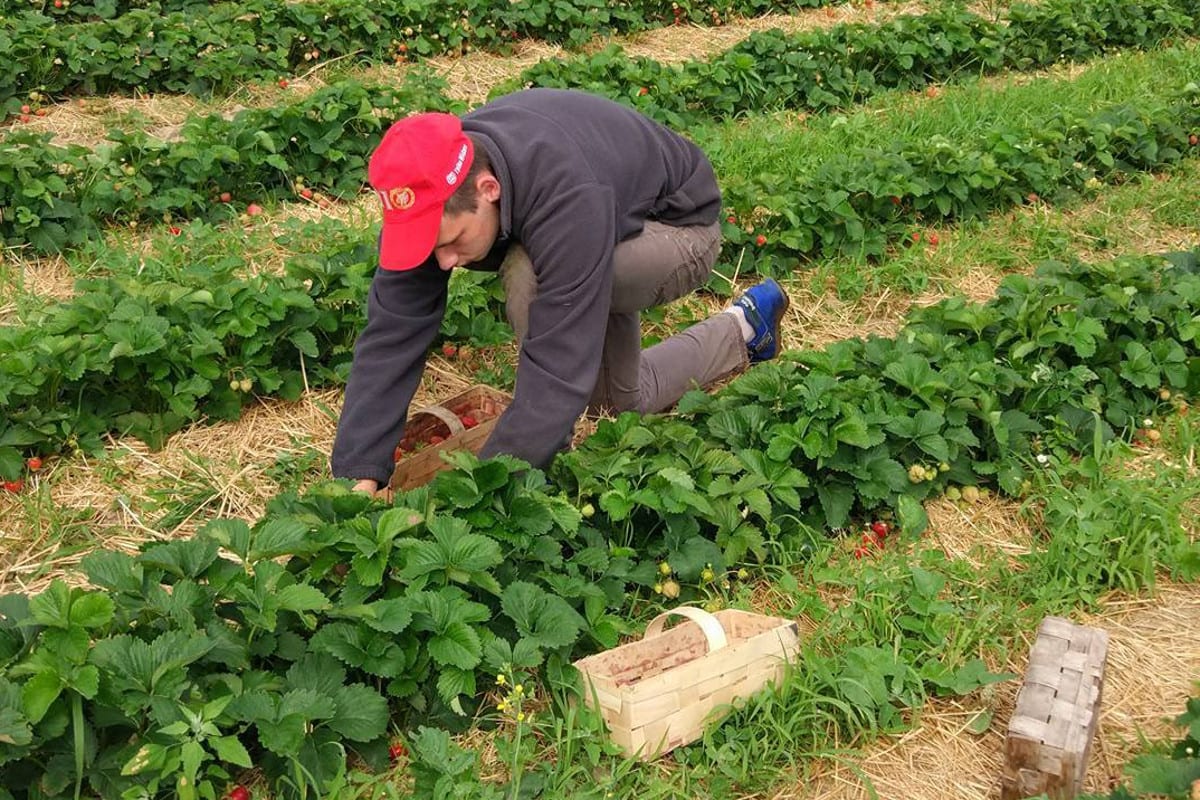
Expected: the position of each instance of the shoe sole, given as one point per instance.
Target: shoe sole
(787, 302)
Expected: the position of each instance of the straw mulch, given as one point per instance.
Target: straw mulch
(1153, 666)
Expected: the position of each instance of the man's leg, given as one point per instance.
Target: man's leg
(662, 264)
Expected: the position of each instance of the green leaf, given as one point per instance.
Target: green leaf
(92, 610)
(361, 713)
(389, 616)
(547, 620)
(232, 534)
(456, 645)
(912, 516)
(301, 597)
(230, 750)
(454, 683)
(39, 693)
(981, 722)
(187, 558)
(279, 537)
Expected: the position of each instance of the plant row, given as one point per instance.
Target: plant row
(56, 197)
(822, 69)
(290, 643)
(211, 48)
(142, 359)
(161, 343)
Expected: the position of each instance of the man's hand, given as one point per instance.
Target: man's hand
(367, 485)
(372, 487)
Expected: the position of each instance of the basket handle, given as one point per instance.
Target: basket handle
(710, 625)
(445, 415)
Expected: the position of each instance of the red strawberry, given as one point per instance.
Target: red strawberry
(449, 350)
(306, 193)
(879, 528)
(916, 236)
(932, 239)
(468, 421)
(860, 552)
(14, 486)
(731, 219)
(895, 200)
(643, 91)
(283, 84)
(1194, 140)
(397, 751)
(239, 793)
(26, 110)
(254, 209)
(225, 197)
(435, 439)
(34, 463)
(761, 240)
(175, 231)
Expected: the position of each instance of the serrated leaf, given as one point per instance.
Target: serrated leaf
(279, 537)
(318, 672)
(389, 616)
(456, 645)
(454, 683)
(232, 534)
(39, 693)
(301, 597)
(361, 713)
(230, 750)
(546, 619)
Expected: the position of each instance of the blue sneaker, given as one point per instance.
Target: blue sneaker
(764, 304)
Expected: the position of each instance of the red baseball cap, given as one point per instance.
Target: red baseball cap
(414, 170)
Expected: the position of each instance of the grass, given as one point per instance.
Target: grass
(794, 145)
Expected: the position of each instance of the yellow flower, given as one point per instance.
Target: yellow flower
(521, 717)
(519, 689)
(501, 680)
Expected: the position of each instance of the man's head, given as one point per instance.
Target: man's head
(438, 192)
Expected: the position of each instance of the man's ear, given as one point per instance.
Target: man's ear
(488, 187)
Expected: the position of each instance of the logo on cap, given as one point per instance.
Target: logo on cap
(399, 199)
(452, 175)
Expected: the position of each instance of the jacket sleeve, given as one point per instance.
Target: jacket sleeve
(404, 314)
(571, 247)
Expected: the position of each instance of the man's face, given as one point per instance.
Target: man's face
(468, 236)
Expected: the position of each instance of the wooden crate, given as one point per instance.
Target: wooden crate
(1058, 707)
(417, 467)
(658, 693)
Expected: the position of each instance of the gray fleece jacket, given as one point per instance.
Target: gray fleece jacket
(578, 174)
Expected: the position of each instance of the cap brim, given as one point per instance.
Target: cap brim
(406, 245)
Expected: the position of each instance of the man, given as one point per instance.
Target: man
(591, 212)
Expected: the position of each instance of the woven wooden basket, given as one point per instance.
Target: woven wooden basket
(417, 467)
(658, 693)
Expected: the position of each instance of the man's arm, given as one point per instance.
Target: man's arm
(571, 245)
(404, 312)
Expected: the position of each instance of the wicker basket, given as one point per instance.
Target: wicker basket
(416, 467)
(658, 693)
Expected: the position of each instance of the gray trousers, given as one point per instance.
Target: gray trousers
(661, 264)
